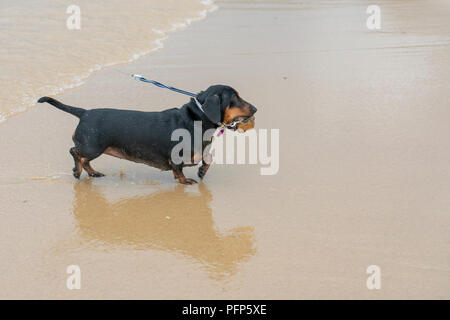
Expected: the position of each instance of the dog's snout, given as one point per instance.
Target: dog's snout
(253, 109)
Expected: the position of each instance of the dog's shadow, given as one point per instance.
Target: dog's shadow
(171, 220)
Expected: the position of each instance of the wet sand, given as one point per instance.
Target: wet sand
(364, 171)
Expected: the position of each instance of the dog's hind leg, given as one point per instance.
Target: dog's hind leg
(78, 168)
(82, 161)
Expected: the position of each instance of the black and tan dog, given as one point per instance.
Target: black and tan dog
(145, 137)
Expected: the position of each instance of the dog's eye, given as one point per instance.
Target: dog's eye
(234, 103)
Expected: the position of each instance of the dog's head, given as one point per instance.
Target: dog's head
(223, 104)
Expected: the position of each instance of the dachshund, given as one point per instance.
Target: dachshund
(145, 137)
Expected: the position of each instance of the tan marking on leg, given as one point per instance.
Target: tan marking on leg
(89, 169)
(182, 179)
(77, 170)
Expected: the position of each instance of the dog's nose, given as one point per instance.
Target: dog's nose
(253, 109)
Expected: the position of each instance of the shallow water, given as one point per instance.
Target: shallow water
(40, 55)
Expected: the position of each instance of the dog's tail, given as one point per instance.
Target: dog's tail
(77, 112)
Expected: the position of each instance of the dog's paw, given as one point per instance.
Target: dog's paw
(202, 171)
(188, 181)
(96, 175)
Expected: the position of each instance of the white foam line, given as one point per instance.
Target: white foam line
(80, 80)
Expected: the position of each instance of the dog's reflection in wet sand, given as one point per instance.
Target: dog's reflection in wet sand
(171, 220)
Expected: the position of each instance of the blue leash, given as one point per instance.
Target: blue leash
(222, 126)
(159, 84)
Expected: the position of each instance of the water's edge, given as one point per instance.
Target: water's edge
(81, 79)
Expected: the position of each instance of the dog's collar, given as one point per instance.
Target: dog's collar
(232, 125)
(201, 109)
(220, 124)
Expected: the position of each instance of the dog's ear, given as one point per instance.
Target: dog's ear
(212, 108)
(225, 100)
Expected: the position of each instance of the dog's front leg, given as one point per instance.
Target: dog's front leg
(178, 174)
(206, 163)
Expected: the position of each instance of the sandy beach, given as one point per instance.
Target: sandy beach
(364, 175)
